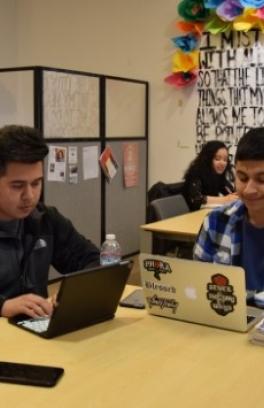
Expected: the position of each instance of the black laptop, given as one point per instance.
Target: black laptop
(84, 298)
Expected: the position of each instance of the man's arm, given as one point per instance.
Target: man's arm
(205, 247)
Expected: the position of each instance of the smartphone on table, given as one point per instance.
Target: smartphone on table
(134, 299)
(29, 374)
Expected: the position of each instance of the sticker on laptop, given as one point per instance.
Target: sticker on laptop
(157, 266)
(162, 302)
(159, 286)
(220, 294)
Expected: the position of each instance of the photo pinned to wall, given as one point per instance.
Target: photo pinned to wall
(130, 164)
(73, 173)
(90, 162)
(57, 163)
(108, 164)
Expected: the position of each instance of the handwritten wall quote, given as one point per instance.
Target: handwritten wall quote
(230, 86)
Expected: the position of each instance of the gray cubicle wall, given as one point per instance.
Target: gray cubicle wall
(86, 109)
(80, 202)
(126, 207)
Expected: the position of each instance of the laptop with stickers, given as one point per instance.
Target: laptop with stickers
(197, 292)
(84, 298)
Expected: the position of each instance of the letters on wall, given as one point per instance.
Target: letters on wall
(230, 86)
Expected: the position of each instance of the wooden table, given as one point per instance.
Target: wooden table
(138, 361)
(182, 227)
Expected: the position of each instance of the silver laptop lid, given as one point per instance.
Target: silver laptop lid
(193, 291)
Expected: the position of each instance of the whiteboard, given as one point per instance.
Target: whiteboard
(17, 98)
(71, 105)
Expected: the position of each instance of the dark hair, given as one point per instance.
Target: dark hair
(21, 144)
(202, 165)
(251, 145)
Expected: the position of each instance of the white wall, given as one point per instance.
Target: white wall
(116, 37)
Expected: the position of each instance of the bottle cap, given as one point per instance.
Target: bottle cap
(110, 236)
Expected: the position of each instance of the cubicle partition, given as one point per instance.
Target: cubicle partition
(126, 208)
(82, 113)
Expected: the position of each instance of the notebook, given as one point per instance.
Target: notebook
(84, 298)
(197, 292)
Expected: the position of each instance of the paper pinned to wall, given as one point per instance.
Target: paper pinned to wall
(90, 162)
(130, 164)
(108, 163)
(73, 155)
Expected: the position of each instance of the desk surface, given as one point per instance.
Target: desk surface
(186, 224)
(138, 360)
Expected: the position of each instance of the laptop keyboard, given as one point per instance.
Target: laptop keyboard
(38, 325)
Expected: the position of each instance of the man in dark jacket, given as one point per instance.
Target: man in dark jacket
(32, 236)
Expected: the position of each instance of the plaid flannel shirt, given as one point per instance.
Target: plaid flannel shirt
(220, 237)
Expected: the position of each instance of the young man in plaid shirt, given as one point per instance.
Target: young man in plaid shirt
(234, 234)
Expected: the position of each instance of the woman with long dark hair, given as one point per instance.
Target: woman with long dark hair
(208, 179)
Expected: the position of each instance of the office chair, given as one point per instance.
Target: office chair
(167, 207)
(170, 206)
(161, 190)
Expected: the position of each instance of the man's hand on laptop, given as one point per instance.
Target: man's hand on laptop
(29, 304)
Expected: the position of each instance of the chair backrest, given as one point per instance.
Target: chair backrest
(167, 207)
(160, 190)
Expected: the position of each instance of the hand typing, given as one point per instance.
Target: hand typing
(29, 304)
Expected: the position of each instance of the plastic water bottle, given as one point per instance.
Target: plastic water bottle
(110, 251)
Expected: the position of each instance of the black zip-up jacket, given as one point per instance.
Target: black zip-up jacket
(47, 238)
